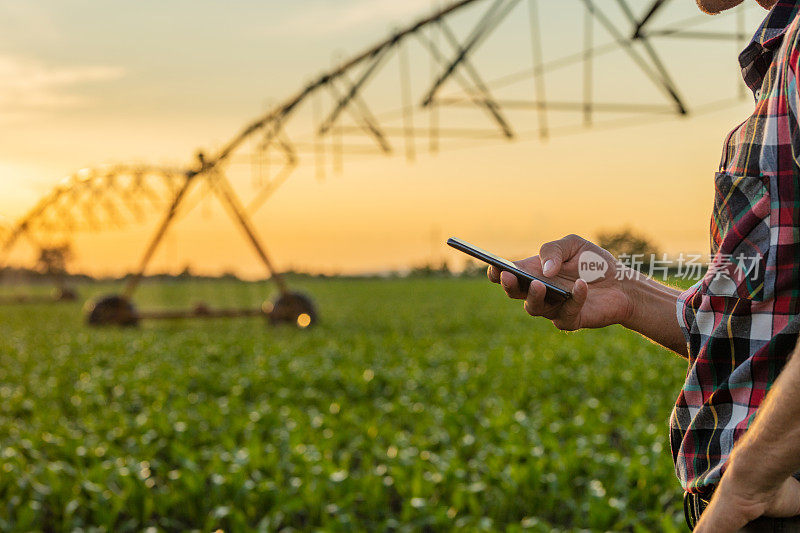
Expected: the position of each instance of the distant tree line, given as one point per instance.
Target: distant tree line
(625, 242)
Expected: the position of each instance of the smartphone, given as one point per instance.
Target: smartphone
(554, 294)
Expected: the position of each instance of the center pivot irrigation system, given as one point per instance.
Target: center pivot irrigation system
(342, 106)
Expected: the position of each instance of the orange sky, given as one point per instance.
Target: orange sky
(132, 103)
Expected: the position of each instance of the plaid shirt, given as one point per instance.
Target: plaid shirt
(741, 320)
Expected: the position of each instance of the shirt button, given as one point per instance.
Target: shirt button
(758, 94)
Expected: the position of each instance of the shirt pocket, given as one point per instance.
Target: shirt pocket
(741, 246)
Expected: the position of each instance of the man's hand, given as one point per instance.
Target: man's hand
(622, 296)
(736, 502)
(606, 303)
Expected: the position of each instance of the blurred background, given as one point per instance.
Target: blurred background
(317, 154)
(86, 85)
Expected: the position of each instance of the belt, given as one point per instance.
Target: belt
(693, 507)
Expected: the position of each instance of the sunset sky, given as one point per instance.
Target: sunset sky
(88, 83)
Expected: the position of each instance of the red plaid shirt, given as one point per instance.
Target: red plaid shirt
(741, 320)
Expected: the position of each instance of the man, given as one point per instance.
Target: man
(736, 448)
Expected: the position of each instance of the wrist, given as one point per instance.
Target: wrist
(651, 311)
(751, 468)
(642, 298)
(746, 480)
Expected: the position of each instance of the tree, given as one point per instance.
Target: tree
(53, 260)
(627, 243)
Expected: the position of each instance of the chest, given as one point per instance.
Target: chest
(754, 217)
(754, 147)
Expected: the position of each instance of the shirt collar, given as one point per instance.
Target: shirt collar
(757, 56)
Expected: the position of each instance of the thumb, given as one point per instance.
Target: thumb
(551, 256)
(554, 253)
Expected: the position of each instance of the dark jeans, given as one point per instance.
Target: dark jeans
(694, 507)
(766, 524)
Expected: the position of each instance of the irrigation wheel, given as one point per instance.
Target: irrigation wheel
(113, 310)
(291, 308)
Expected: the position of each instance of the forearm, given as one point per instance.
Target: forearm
(654, 313)
(770, 450)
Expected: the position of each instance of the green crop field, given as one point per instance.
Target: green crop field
(416, 404)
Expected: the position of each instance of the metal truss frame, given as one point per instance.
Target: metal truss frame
(98, 199)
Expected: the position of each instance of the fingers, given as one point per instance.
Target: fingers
(493, 273)
(535, 303)
(569, 318)
(510, 284)
(554, 254)
(566, 316)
